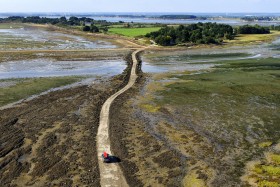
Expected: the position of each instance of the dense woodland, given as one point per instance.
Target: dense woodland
(203, 33)
(43, 20)
(200, 33)
(249, 29)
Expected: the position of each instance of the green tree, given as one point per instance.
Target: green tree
(94, 28)
(86, 28)
(200, 33)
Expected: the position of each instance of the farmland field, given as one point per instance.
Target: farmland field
(133, 32)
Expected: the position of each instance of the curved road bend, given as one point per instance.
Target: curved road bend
(111, 174)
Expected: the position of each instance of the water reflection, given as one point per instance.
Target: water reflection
(173, 66)
(49, 68)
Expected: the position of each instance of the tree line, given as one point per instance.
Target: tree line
(44, 20)
(259, 18)
(273, 27)
(87, 24)
(256, 29)
(200, 33)
(203, 33)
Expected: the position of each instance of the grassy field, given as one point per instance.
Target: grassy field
(23, 88)
(133, 32)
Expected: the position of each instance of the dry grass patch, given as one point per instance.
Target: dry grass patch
(242, 39)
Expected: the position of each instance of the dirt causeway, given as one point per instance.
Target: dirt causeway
(145, 161)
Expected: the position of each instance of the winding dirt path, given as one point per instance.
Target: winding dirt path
(111, 174)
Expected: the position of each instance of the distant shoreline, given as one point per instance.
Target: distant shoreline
(165, 18)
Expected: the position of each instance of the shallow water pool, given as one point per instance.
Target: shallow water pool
(50, 68)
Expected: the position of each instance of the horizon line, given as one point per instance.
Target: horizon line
(147, 12)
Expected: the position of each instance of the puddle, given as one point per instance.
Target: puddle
(49, 68)
(255, 56)
(23, 158)
(6, 84)
(276, 56)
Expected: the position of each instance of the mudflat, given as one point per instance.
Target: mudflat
(50, 140)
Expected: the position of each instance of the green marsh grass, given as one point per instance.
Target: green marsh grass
(266, 183)
(28, 87)
(275, 158)
(242, 96)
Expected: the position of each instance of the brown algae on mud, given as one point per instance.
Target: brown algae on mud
(53, 137)
(192, 146)
(233, 109)
(27, 177)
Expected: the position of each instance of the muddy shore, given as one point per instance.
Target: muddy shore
(50, 140)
